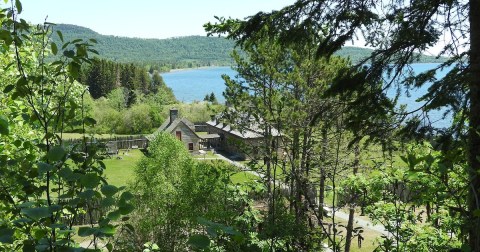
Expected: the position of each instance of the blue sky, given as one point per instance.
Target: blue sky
(143, 18)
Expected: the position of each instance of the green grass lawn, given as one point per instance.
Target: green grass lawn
(368, 244)
(242, 177)
(121, 170)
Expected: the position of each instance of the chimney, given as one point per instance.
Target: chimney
(173, 114)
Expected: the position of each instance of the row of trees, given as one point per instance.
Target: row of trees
(103, 76)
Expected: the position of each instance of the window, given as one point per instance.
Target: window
(178, 134)
(190, 146)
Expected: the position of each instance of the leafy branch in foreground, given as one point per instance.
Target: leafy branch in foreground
(46, 187)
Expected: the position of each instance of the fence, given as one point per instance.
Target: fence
(113, 144)
(88, 215)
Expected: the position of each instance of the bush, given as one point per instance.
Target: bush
(172, 190)
(137, 120)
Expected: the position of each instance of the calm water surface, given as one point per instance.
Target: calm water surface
(193, 85)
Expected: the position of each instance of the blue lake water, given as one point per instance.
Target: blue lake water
(193, 85)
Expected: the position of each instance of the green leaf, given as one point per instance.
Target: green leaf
(56, 153)
(60, 35)
(86, 231)
(44, 167)
(8, 88)
(6, 36)
(127, 196)
(115, 215)
(89, 121)
(109, 190)
(18, 5)
(107, 202)
(40, 233)
(36, 213)
(6, 235)
(66, 173)
(54, 208)
(90, 180)
(74, 69)
(4, 125)
(54, 48)
(69, 53)
(108, 230)
(126, 209)
(109, 247)
(88, 194)
(199, 241)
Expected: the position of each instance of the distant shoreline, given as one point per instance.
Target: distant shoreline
(207, 67)
(192, 68)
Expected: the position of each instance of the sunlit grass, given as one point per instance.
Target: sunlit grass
(120, 168)
(243, 177)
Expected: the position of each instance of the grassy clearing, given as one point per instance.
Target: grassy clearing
(242, 177)
(120, 168)
(369, 236)
(368, 244)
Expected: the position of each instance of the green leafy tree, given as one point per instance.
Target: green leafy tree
(284, 89)
(168, 182)
(137, 119)
(46, 185)
(117, 99)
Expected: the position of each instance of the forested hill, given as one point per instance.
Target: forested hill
(357, 53)
(178, 52)
(181, 52)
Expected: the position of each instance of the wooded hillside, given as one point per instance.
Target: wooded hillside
(181, 52)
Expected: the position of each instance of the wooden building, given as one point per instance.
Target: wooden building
(245, 143)
(182, 129)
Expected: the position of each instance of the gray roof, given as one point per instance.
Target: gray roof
(210, 136)
(164, 125)
(175, 123)
(254, 131)
(169, 127)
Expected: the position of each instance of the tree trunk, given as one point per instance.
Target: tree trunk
(348, 238)
(474, 129)
(323, 158)
(354, 197)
